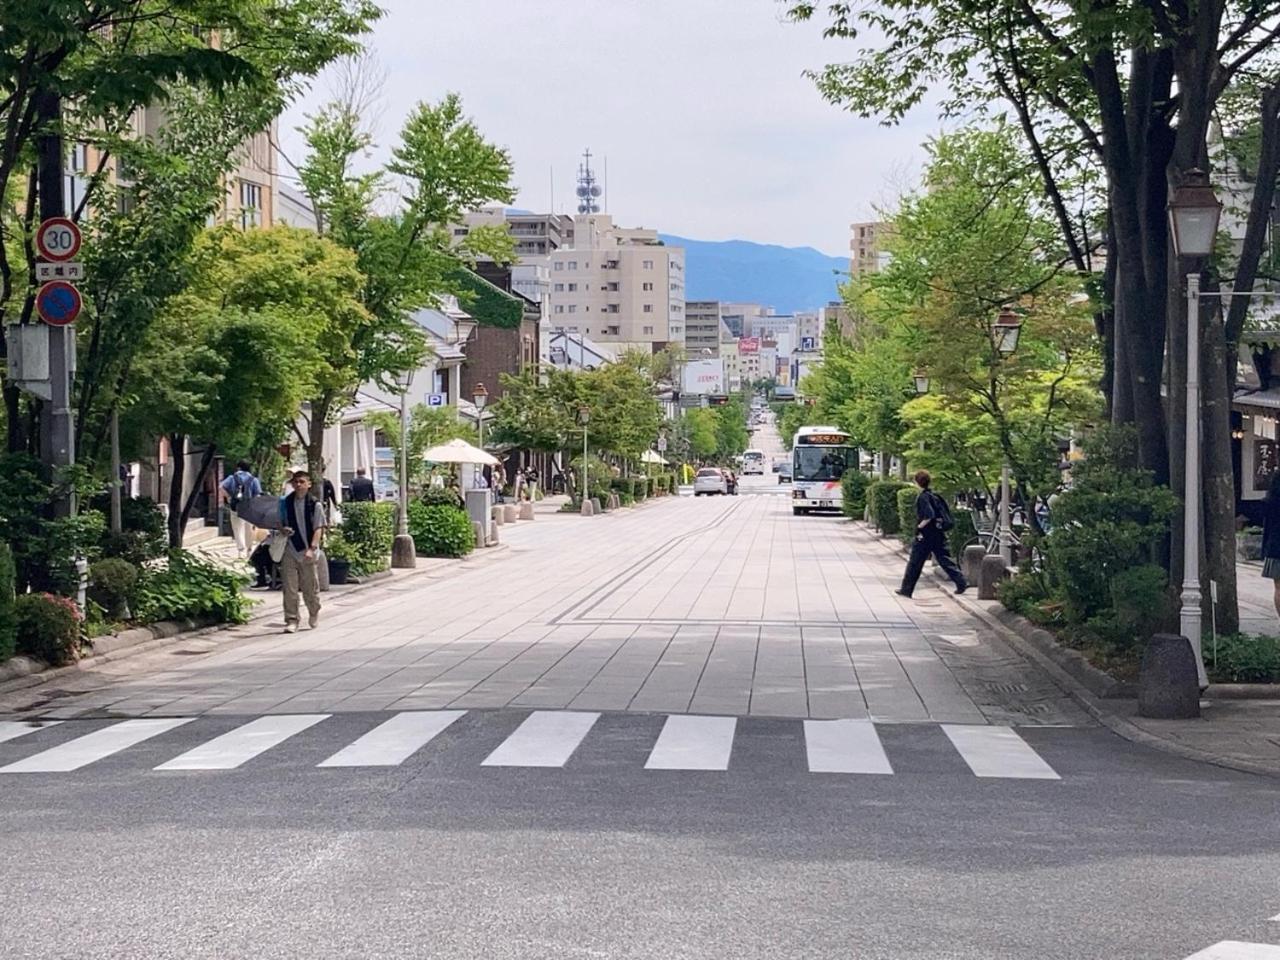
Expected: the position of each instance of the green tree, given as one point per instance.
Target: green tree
(428, 427)
(702, 435)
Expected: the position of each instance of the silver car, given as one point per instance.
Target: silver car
(708, 481)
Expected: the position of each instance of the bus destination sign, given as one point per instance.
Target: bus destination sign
(825, 439)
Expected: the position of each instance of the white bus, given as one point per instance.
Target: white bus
(819, 458)
(753, 462)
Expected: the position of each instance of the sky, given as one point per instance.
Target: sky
(710, 128)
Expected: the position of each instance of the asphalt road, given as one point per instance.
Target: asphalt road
(520, 832)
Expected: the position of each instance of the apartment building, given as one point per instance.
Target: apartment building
(771, 325)
(809, 330)
(535, 234)
(864, 247)
(618, 285)
(702, 325)
(738, 316)
(837, 314)
(732, 362)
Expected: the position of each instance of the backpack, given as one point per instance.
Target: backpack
(240, 494)
(941, 513)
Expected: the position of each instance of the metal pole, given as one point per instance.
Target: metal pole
(117, 522)
(585, 493)
(1006, 531)
(404, 463)
(1191, 597)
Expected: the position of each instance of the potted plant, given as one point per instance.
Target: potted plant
(340, 554)
(1249, 543)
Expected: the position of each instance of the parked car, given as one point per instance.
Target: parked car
(783, 469)
(710, 480)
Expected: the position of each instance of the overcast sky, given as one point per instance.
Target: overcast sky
(709, 127)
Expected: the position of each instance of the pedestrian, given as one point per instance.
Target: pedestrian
(531, 478)
(361, 487)
(518, 485)
(303, 521)
(330, 498)
(238, 488)
(933, 521)
(1271, 536)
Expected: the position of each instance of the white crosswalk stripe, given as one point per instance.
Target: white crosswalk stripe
(545, 739)
(81, 751)
(12, 729)
(997, 752)
(391, 743)
(1238, 950)
(844, 746)
(693, 743)
(243, 743)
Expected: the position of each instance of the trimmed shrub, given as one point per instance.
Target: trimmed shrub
(601, 493)
(853, 488)
(440, 531)
(186, 587)
(112, 582)
(441, 497)
(639, 488)
(371, 530)
(8, 617)
(964, 532)
(143, 536)
(1240, 658)
(48, 627)
(906, 498)
(653, 486)
(882, 498)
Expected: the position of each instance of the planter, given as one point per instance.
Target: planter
(338, 571)
(1249, 546)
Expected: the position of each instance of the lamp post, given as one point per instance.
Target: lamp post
(404, 554)
(584, 416)
(1193, 225)
(1004, 336)
(480, 396)
(921, 378)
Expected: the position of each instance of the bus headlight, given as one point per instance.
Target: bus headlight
(797, 494)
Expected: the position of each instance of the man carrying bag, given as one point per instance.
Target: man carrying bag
(933, 521)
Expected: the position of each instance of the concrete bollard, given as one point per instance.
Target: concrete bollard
(615, 502)
(971, 562)
(322, 570)
(493, 535)
(526, 510)
(588, 508)
(477, 530)
(497, 514)
(990, 575)
(511, 513)
(595, 503)
(1168, 682)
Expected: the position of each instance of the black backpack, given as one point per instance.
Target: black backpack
(240, 493)
(941, 513)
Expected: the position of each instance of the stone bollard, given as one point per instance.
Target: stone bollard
(493, 535)
(1168, 682)
(990, 574)
(615, 502)
(497, 514)
(526, 510)
(511, 513)
(971, 562)
(477, 530)
(588, 508)
(595, 503)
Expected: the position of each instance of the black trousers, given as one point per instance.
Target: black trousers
(935, 544)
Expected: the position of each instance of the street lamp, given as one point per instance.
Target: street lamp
(584, 416)
(1004, 334)
(1193, 226)
(921, 378)
(480, 396)
(463, 327)
(404, 554)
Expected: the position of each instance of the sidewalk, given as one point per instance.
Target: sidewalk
(1257, 606)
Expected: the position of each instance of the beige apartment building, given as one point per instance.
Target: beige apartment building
(618, 286)
(864, 247)
(702, 326)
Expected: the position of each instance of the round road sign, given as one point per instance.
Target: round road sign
(58, 239)
(58, 303)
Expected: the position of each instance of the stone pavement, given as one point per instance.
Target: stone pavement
(711, 605)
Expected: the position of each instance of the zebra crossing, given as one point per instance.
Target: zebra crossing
(1238, 950)
(543, 739)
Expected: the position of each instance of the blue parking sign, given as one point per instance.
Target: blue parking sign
(435, 400)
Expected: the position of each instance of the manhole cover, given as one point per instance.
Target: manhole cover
(1007, 687)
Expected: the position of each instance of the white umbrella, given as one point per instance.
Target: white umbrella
(650, 457)
(459, 451)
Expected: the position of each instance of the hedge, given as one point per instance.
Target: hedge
(439, 530)
(853, 487)
(882, 499)
(907, 513)
(370, 528)
(8, 618)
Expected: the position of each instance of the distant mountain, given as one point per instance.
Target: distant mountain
(785, 278)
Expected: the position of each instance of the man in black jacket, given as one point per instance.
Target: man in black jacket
(361, 487)
(933, 519)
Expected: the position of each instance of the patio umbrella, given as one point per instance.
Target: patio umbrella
(459, 451)
(262, 511)
(650, 457)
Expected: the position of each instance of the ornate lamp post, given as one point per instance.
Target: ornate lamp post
(921, 378)
(1004, 336)
(584, 417)
(480, 396)
(404, 555)
(1193, 227)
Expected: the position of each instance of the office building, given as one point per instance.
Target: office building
(864, 247)
(702, 326)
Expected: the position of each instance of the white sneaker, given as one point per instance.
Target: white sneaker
(290, 628)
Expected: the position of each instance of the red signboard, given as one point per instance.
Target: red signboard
(749, 345)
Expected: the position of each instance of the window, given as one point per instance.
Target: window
(612, 331)
(559, 288)
(76, 181)
(648, 308)
(559, 308)
(648, 264)
(648, 329)
(612, 287)
(611, 308)
(573, 288)
(559, 264)
(573, 264)
(250, 204)
(460, 231)
(647, 285)
(573, 308)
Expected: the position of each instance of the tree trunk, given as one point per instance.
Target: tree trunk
(1219, 479)
(315, 439)
(178, 456)
(884, 464)
(17, 441)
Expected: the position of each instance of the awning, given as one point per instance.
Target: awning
(1264, 399)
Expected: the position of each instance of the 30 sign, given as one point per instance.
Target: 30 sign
(58, 239)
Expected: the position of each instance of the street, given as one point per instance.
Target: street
(699, 728)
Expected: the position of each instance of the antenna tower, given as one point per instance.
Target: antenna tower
(588, 190)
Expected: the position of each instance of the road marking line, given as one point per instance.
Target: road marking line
(391, 743)
(12, 729)
(76, 753)
(1276, 918)
(547, 738)
(243, 743)
(1237, 950)
(997, 752)
(693, 743)
(844, 746)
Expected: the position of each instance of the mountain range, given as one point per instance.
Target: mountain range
(785, 278)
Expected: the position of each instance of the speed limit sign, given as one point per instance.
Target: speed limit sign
(58, 239)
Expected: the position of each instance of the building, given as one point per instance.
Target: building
(506, 337)
(738, 316)
(702, 325)
(732, 362)
(293, 209)
(837, 314)
(864, 247)
(535, 234)
(575, 351)
(771, 325)
(618, 286)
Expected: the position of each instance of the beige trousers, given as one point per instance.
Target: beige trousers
(299, 573)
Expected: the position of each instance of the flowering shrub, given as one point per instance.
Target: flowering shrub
(48, 627)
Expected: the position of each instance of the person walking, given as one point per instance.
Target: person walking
(303, 521)
(362, 487)
(933, 521)
(237, 489)
(1271, 537)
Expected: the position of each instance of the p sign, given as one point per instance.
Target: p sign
(435, 400)
(58, 239)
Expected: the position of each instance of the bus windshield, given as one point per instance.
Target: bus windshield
(820, 463)
(754, 455)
